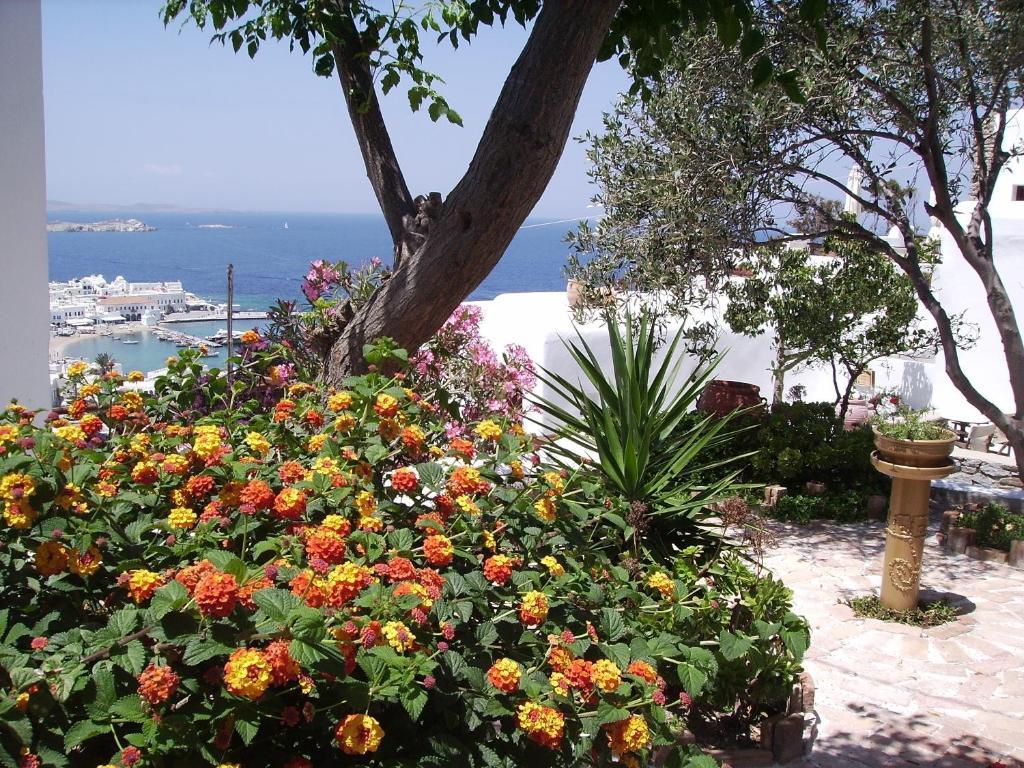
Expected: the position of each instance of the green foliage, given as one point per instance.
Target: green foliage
(842, 507)
(927, 614)
(171, 546)
(647, 450)
(905, 423)
(994, 525)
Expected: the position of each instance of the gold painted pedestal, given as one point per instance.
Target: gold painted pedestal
(906, 529)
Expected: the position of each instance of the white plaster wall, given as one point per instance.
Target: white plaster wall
(24, 303)
(539, 322)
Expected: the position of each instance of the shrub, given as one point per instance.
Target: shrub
(843, 507)
(459, 367)
(634, 439)
(995, 526)
(331, 580)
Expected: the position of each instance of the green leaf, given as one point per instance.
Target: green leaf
(170, 597)
(692, 679)
(733, 646)
(609, 713)
(414, 700)
(487, 634)
(612, 626)
(247, 725)
(82, 731)
(276, 603)
(128, 707)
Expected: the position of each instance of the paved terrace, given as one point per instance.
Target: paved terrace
(890, 695)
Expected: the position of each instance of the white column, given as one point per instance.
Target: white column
(24, 299)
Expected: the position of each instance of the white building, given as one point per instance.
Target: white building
(24, 358)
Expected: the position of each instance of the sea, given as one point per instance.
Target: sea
(270, 252)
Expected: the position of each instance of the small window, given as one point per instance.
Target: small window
(1018, 192)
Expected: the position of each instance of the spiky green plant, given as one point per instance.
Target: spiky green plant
(635, 434)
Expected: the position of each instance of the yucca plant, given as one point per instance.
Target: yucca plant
(636, 435)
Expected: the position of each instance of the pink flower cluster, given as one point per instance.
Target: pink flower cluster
(320, 279)
(460, 360)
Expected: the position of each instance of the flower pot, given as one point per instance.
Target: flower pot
(1016, 555)
(857, 412)
(914, 453)
(722, 397)
(574, 292)
(960, 539)
(814, 488)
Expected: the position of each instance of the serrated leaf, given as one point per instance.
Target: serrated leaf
(414, 700)
(609, 713)
(612, 626)
(276, 603)
(81, 731)
(128, 707)
(691, 678)
(733, 646)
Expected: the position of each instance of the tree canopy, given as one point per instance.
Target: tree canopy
(446, 245)
(910, 94)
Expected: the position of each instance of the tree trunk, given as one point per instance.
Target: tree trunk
(514, 161)
(779, 375)
(844, 403)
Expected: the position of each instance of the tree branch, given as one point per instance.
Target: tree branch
(382, 168)
(514, 161)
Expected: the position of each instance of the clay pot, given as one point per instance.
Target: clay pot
(857, 412)
(722, 397)
(914, 453)
(574, 292)
(959, 539)
(1015, 557)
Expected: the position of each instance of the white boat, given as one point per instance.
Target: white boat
(130, 341)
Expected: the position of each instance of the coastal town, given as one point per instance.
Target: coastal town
(91, 306)
(110, 225)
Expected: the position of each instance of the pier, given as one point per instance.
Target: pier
(192, 317)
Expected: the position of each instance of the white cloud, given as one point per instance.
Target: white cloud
(162, 169)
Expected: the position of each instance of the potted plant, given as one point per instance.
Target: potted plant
(907, 437)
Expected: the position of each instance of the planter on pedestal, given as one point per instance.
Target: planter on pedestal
(912, 465)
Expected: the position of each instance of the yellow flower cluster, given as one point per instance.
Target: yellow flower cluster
(339, 401)
(398, 636)
(606, 675)
(257, 443)
(554, 567)
(542, 724)
(358, 734)
(661, 582)
(545, 509)
(247, 673)
(629, 735)
(207, 442)
(181, 517)
(488, 430)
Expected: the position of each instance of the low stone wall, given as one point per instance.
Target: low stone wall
(986, 474)
(979, 481)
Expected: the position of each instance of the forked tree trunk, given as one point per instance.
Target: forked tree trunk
(517, 154)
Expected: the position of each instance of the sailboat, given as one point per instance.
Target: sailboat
(286, 225)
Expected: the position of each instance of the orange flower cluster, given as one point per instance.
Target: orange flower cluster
(216, 594)
(157, 684)
(542, 724)
(504, 675)
(533, 609)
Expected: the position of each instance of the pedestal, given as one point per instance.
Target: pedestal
(906, 529)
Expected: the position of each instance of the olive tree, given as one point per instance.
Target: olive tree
(913, 93)
(846, 308)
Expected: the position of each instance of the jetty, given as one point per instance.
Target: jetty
(218, 314)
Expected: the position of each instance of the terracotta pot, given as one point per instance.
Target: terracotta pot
(960, 539)
(857, 412)
(574, 292)
(914, 453)
(722, 397)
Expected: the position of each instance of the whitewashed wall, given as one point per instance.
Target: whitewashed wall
(24, 305)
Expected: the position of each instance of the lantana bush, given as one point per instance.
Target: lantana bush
(339, 578)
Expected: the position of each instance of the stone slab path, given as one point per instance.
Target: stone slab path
(891, 695)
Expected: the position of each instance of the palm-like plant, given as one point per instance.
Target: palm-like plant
(637, 433)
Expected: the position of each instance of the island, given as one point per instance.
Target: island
(110, 225)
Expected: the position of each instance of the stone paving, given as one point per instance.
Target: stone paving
(892, 695)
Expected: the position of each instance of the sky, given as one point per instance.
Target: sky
(139, 113)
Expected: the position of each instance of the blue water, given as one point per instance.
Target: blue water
(269, 261)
